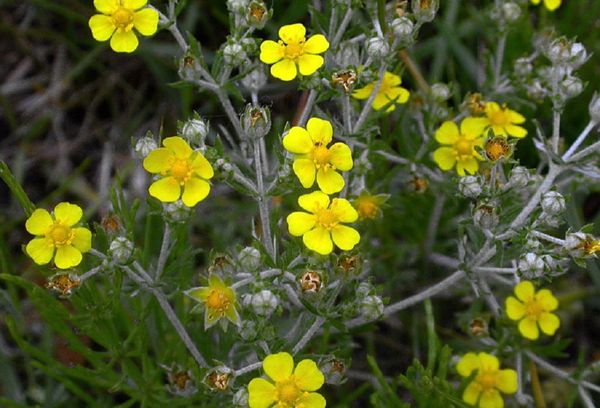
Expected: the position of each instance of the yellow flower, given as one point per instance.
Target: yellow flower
(389, 92)
(57, 237)
(504, 121)
(293, 52)
(289, 387)
(484, 391)
(550, 4)
(324, 222)
(531, 309)
(180, 168)
(118, 19)
(461, 145)
(369, 206)
(314, 158)
(218, 299)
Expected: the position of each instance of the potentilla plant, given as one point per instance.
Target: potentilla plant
(279, 321)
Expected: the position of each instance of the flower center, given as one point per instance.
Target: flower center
(326, 218)
(367, 208)
(533, 309)
(486, 380)
(294, 49)
(463, 147)
(123, 19)
(216, 300)
(321, 156)
(287, 391)
(497, 148)
(181, 170)
(60, 235)
(498, 118)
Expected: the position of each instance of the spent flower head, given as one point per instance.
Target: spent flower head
(532, 310)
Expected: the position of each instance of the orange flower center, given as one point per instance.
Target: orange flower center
(498, 118)
(487, 380)
(294, 49)
(181, 170)
(218, 301)
(321, 156)
(533, 309)
(123, 19)
(367, 208)
(463, 147)
(326, 218)
(287, 392)
(497, 148)
(60, 235)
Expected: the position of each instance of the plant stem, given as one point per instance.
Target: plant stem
(414, 71)
(310, 101)
(585, 152)
(580, 139)
(368, 104)
(164, 252)
(263, 205)
(16, 189)
(499, 58)
(538, 395)
(560, 373)
(309, 334)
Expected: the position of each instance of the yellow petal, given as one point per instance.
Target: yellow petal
(488, 362)
(298, 141)
(447, 133)
(312, 400)
(308, 376)
(194, 191)
(271, 52)
(215, 281)
(211, 317)
(473, 127)
(467, 364)
(341, 156)
(499, 130)
(125, 41)
(552, 4)
(146, 21)
(529, 329)
(391, 80)
(40, 250)
(308, 64)
(444, 157)
(514, 309)
(491, 107)
(166, 190)
(525, 291)
(180, 147)
(471, 393)
(516, 131)
(470, 165)
(232, 315)
(300, 222)
(316, 44)
(398, 95)
(102, 27)
(278, 366)
(343, 210)
(506, 381)
(460, 168)
(547, 300)
(364, 92)
(284, 70)
(330, 181)
(491, 399)
(318, 240)
(549, 323)
(305, 170)
(292, 33)
(134, 4)
(67, 213)
(158, 160)
(536, 2)
(314, 201)
(39, 222)
(67, 257)
(261, 393)
(202, 167)
(82, 239)
(106, 6)
(320, 130)
(345, 237)
(199, 294)
(381, 100)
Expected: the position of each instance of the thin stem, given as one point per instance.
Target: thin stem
(434, 221)
(580, 139)
(548, 238)
(555, 129)
(230, 111)
(248, 368)
(309, 334)
(585, 152)
(368, 104)
(347, 113)
(538, 395)
(263, 205)
(310, 101)
(560, 373)
(90, 273)
(414, 71)
(342, 28)
(499, 59)
(164, 252)
(491, 269)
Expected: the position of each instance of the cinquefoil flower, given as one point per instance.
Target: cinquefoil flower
(503, 121)
(118, 19)
(533, 309)
(484, 391)
(314, 158)
(389, 92)
(324, 222)
(289, 387)
(460, 149)
(57, 236)
(181, 168)
(218, 299)
(550, 4)
(293, 52)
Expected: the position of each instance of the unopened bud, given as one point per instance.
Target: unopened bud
(234, 54)
(144, 146)
(363, 289)
(240, 398)
(519, 177)
(470, 186)
(531, 265)
(577, 55)
(594, 108)
(553, 202)
(571, 87)
(511, 11)
(264, 303)
(177, 211)
(120, 250)
(256, 121)
(249, 258)
(440, 92)
(237, 6)
(523, 67)
(195, 131)
(485, 216)
(377, 47)
(371, 308)
(403, 29)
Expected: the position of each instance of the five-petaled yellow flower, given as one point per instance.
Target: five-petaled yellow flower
(57, 236)
(389, 92)
(461, 144)
(218, 300)
(531, 309)
(293, 52)
(550, 4)
(118, 19)
(289, 387)
(323, 222)
(314, 158)
(484, 391)
(180, 168)
(503, 121)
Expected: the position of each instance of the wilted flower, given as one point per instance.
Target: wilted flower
(218, 378)
(581, 245)
(63, 284)
(531, 308)
(311, 281)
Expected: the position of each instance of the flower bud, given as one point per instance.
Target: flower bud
(485, 216)
(403, 29)
(571, 87)
(177, 211)
(334, 371)
(558, 51)
(264, 303)
(144, 146)
(223, 167)
(257, 14)
(519, 177)
(120, 250)
(363, 289)
(440, 92)
(550, 264)
(577, 55)
(247, 330)
(531, 265)
(377, 47)
(371, 308)
(234, 54)
(249, 258)
(523, 67)
(594, 108)
(255, 80)
(536, 90)
(240, 398)
(470, 186)
(195, 131)
(553, 202)
(237, 6)
(425, 10)
(256, 121)
(511, 11)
